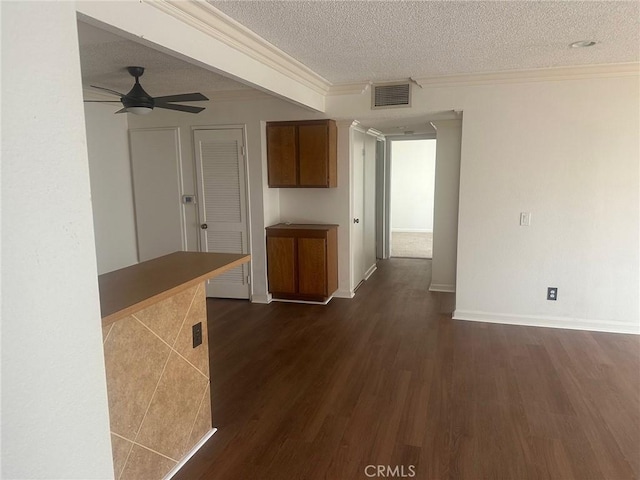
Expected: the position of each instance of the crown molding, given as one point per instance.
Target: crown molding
(211, 21)
(375, 133)
(346, 123)
(535, 75)
(349, 88)
(358, 127)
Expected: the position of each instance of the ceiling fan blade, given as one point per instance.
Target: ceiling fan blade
(108, 90)
(180, 108)
(183, 97)
(122, 110)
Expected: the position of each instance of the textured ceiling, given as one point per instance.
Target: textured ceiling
(351, 41)
(104, 57)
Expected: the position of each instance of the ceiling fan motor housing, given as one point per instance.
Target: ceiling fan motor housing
(137, 97)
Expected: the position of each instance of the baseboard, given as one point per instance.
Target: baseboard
(546, 321)
(442, 287)
(411, 230)
(308, 302)
(191, 453)
(344, 294)
(261, 298)
(373, 268)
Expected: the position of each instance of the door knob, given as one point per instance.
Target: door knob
(204, 226)
(356, 220)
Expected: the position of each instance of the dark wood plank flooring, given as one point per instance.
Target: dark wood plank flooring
(320, 392)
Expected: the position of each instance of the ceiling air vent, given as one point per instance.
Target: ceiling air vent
(391, 95)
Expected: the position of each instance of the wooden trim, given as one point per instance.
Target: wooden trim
(295, 123)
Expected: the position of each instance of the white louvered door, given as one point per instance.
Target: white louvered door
(222, 204)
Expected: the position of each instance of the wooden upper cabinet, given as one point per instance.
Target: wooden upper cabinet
(302, 154)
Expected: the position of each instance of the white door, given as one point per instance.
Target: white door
(357, 225)
(222, 204)
(155, 165)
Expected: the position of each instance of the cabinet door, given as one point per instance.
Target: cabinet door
(312, 266)
(281, 264)
(281, 155)
(313, 144)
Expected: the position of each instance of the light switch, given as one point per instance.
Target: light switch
(525, 219)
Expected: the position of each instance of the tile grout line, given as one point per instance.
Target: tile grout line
(172, 349)
(107, 335)
(145, 447)
(128, 453)
(195, 419)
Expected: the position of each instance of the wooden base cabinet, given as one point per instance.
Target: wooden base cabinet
(302, 261)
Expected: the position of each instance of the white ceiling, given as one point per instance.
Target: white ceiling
(349, 41)
(353, 41)
(104, 57)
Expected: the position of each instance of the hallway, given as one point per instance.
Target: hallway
(321, 392)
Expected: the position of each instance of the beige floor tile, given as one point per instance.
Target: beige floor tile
(134, 359)
(173, 410)
(144, 464)
(165, 318)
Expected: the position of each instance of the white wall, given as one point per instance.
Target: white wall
(327, 205)
(566, 150)
(569, 154)
(265, 203)
(446, 197)
(55, 421)
(370, 145)
(412, 185)
(111, 190)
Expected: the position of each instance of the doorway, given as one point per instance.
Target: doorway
(412, 188)
(221, 174)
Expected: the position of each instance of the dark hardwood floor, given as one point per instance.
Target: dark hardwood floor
(320, 392)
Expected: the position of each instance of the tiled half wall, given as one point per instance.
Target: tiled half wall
(158, 385)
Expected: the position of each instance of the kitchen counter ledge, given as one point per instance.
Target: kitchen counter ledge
(133, 288)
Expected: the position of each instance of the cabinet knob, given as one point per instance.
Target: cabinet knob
(204, 226)
(356, 220)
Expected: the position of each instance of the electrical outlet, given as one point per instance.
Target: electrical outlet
(197, 334)
(552, 293)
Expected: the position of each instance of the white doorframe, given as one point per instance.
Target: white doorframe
(388, 163)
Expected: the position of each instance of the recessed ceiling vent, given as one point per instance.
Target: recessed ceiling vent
(391, 95)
